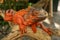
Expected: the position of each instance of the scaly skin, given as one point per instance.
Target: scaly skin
(23, 19)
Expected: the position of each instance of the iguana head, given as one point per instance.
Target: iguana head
(8, 15)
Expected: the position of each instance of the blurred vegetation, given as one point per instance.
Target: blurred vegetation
(4, 28)
(13, 4)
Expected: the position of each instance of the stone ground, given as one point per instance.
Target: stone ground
(56, 19)
(56, 24)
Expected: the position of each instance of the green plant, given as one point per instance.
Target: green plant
(10, 4)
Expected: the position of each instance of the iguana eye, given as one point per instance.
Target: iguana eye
(8, 11)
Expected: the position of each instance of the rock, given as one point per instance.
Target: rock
(39, 35)
(56, 32)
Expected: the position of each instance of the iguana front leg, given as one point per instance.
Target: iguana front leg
(20, 22)
(22, 28)
(33, 26)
